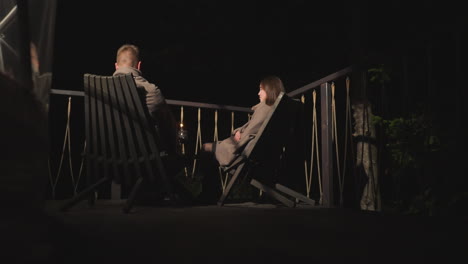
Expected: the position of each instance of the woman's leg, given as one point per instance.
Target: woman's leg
(209, 147)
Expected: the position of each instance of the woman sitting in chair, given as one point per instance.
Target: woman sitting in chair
(228, 149)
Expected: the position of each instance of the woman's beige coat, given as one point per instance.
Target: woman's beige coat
(226, 150)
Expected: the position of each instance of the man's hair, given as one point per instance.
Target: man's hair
(273, 86)
(128, 55)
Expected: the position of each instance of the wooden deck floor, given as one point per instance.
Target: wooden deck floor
(235, 233)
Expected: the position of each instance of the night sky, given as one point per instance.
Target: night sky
(218, 51)
(206, 51)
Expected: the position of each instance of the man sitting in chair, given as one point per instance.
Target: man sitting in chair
(128, 61)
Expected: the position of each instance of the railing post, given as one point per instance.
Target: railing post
(326, 149)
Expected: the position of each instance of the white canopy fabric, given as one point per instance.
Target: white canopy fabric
(27, 31)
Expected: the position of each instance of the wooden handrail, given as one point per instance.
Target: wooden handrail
(294, 93)
(317, 83)
(169, 101)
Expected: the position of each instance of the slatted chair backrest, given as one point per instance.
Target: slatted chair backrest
(121, 139)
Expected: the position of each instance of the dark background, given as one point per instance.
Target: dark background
(206, 51)
(218, 51)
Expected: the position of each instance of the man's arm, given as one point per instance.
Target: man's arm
(154, 96)
(154, 100)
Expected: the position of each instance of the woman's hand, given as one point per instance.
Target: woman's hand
(237, 136)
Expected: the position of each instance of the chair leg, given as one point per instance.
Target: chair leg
(128, 204)
(230, 184)
(273, 193)
(165, 180)
(294, 194)
(80, 196)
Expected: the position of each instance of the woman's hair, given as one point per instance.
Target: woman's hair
(128, 55)
(273, 86)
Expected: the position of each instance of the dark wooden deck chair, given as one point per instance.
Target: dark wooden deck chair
(122, 141)
(263, 159)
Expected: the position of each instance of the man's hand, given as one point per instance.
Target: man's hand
(237, 136)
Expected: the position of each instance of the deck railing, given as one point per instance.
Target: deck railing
(328, 142)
